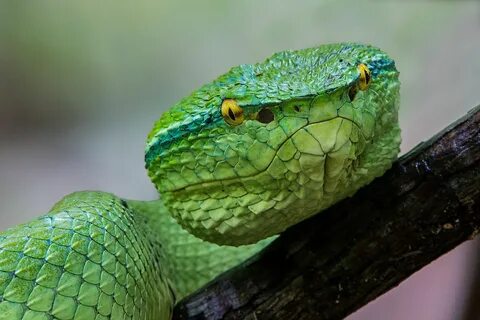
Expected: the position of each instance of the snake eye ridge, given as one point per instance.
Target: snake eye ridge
(365, 76)
(232, 113)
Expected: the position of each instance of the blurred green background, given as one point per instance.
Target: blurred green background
(81, 84)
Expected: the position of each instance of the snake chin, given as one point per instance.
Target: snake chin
(309, 170)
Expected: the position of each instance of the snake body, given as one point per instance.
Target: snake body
(257, 150)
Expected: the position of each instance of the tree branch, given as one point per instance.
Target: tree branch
(336, 262)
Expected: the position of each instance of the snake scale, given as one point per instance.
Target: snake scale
(241, 159)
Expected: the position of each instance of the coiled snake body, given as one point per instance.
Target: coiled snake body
(261, 148)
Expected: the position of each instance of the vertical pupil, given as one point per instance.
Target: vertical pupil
(367, 77)
(231, 114)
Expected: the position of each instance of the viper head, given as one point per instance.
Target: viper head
(267, 145)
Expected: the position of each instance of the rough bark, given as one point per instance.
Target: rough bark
(334, 263)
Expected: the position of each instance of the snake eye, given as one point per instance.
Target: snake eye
(232, 113)
(365, 76)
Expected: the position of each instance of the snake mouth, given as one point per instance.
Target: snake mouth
(313, 147)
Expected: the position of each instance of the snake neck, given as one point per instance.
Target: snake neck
(188, 261)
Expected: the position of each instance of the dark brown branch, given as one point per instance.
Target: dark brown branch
(336, 262)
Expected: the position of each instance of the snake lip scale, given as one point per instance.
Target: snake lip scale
(236, 162)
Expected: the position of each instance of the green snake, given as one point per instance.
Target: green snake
(238, 161)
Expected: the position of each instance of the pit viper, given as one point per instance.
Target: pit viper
(236, 162)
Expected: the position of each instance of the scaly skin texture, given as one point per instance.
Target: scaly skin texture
(236, 185)
(313, 128)
(90, 257)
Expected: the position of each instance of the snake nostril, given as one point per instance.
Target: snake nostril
(297, 108)
(265, 116)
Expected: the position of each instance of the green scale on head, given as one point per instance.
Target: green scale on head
(267, 145)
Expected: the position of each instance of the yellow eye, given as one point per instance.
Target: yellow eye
(232, 113)
(365, 76)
